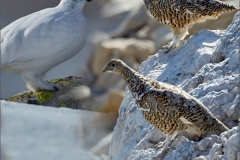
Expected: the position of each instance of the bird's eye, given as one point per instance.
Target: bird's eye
(113, 65)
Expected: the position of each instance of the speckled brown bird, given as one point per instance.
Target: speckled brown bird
(168, 108)
(179, 15)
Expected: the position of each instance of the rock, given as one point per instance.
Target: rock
(102, 147)
(220, 23)
(96, 130)
(155, 31)
(71, 96)
(105, 82)
(206, 66)
(128, 15)
(120, 48)
(114, 101)
(200, 158)
(233, 147)
(215, 152)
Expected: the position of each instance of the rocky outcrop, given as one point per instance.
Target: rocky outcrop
(130, 22)
(207, 67)
(71, 95)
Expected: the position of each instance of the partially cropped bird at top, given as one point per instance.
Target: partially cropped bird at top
(179, 15)
(168, 108)
(34, 44)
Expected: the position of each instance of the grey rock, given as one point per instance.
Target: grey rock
(206, 66)
(72, 94)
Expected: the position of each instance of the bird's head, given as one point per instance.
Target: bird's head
(80, 3)
(115, 65)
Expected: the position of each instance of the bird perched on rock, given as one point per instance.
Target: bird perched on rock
(168, 108)
(34, 44)
(179, 15)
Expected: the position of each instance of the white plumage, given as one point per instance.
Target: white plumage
(34, 44)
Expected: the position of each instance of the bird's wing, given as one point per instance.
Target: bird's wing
(189, 108)
(195, 6)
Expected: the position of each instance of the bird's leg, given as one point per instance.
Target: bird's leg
(178, 35)
(160, 144)
(35, 83)
(165, 143)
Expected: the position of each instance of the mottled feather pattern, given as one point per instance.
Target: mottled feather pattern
(167, 107)
(179, 15)
(182, 13)
(166, 104)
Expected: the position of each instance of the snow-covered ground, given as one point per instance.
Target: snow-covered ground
(30, 132)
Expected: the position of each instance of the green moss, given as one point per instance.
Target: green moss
(14, 98)
(54, 80)
(63, 105)
(44, 96)
(60, 81)
(19, 97)
(67, 82)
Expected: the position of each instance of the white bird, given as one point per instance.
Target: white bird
(34, 44)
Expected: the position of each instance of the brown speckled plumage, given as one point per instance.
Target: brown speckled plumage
(179, 15)
(166, 107)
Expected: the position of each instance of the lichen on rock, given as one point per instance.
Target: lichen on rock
(71, 95)
(44, 96)
(71, 81)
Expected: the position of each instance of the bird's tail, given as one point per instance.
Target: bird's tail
(222, 127)
(227, 7)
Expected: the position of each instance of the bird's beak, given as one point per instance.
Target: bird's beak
(104, 70)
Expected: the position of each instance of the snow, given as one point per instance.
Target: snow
(34, 44)
(38, 132)
(207, 67)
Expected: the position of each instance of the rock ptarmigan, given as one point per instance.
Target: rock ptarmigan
(34, 44)
(168, 108)
(179, 15)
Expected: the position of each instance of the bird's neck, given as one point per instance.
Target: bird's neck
(72, 4)
(147, 1)
(134, 80)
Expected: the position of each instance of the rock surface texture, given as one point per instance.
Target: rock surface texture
(72, 94)
(207, 67)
